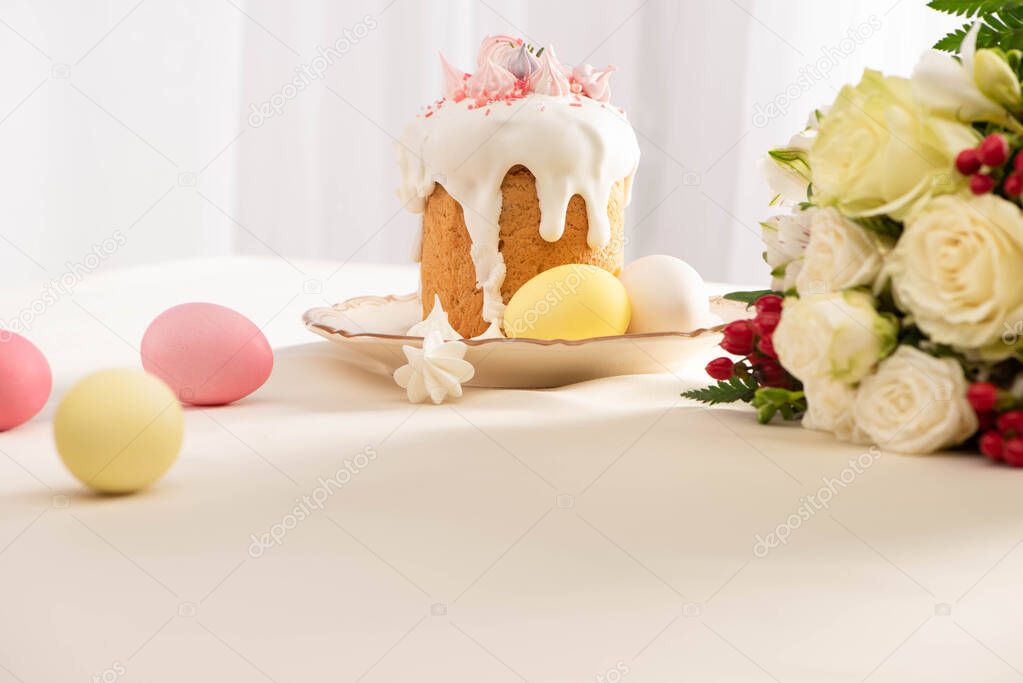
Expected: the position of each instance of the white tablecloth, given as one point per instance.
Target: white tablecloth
(603, 531)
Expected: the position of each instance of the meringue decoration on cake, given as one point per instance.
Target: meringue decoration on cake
(522, 166)
(551, 78)
(523, 64)
(436, 371)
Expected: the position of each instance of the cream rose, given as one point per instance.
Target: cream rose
(840, 255)
(837, 336)
(829, 408)
(785, 238)
(915, 403)
(877, 153)
(956, 270)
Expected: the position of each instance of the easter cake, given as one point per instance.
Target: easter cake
(522, 166)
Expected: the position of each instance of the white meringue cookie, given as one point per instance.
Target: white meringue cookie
(436, 371)
(437, 322)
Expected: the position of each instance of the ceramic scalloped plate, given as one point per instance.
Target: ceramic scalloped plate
(369, 332)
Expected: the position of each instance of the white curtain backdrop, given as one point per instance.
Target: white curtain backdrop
(210, 127)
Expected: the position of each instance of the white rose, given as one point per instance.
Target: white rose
(915, 403)
(840, 255)
(829, 408)
(785, 238)
(837, 335)
(877, 152)
(956, 269)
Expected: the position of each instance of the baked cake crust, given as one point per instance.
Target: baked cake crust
(447, 268)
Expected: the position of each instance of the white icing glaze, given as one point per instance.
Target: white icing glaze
(492, 332)
(571, 144)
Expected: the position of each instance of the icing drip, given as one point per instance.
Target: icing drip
(551, 77)
(572, 145)
(523, 64)
(492, 332)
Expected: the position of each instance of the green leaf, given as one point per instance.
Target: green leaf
(881, 225)
(1001, 24)
(766, 412)
(972, 8)
(725, 391)
(750, 298)
(772, 400)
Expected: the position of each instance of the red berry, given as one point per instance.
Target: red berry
(1011, 423)
(991, 445)
(766, 347)
(982, 396)
(769, 303)
(981, 183)
(765, 323)
(738, 338)
(770, 373)
(720, 368)
(1012, 451)
(1013, 185)
(1017, 163)
(993, 150)
(968, 162)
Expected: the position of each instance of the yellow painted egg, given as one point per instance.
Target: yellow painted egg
(119, 430)
(573, 301)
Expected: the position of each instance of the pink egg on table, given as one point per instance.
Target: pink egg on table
(208, 354)
(25, 380)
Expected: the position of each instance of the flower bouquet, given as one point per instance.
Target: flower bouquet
(895, 316)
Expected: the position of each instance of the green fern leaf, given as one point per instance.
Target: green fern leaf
(973, 8)
(1002, 29)
(725, 391)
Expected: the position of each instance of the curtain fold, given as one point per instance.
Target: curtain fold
(262, 127)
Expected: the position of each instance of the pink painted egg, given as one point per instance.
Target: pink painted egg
(208, 354)
(25, 380)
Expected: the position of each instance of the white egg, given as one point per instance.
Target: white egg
(667, 295)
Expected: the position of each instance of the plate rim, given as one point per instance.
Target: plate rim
(359, 301)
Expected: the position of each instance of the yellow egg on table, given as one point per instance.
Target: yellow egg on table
(119, 430)
(573, 301)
